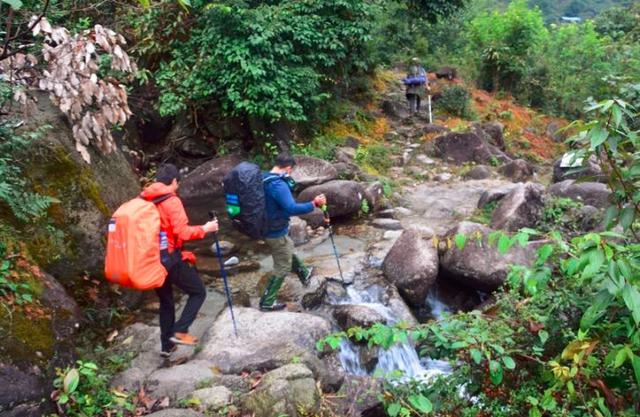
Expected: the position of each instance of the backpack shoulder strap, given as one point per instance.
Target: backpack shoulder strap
(160, 199)
(271, 177)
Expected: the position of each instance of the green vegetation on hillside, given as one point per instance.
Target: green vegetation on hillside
(563, 337)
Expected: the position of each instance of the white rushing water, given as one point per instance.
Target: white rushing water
(401, 356)
(436, 305)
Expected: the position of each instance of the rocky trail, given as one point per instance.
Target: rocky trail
(397, 258)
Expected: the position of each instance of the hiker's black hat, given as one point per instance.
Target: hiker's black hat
(166, 173)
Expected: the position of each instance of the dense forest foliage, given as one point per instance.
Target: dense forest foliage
(554, 10)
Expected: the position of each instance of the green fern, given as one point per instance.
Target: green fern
(26, 206)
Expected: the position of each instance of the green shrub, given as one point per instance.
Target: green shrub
(455, 101)
(553, 215)
(83, 391)
(375, 157)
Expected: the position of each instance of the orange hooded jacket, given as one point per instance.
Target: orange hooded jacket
(173, 219)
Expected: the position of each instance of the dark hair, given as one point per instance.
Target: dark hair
(285, 160)
(166, 173)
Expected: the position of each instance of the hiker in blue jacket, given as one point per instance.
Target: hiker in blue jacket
(416, 82)
(280, 206)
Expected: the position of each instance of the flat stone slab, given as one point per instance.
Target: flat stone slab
(387, 224)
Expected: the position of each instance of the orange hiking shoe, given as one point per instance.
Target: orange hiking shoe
(184, 339)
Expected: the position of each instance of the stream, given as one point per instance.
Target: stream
(401, 357)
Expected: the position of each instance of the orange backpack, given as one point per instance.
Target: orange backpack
(134, 242)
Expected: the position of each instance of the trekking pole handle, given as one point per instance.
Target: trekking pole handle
(213, 216)
(325, 211)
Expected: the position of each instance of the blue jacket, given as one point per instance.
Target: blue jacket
(280, 206)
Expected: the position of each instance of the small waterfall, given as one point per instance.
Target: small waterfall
(436, 305)
(350, 358)
(400, 357)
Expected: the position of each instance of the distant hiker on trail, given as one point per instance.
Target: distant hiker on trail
(280, 205)
(416, 82)
(180, 264)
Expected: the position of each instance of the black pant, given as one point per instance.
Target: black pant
(184, 276)
(414, 100)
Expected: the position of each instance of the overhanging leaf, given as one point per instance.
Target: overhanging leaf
(598, 135)
(71, 380)
(421, 403)
(627, 216)
(393, 409)
(509, 363)
(596, 310)
(636, 367)
(476, 355)
(631, 298)
(495, 372)
(610, 216)
(15, 4)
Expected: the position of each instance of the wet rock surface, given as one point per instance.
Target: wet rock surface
(412, 266)
(521, 207)
(312, 171)
(479, 265)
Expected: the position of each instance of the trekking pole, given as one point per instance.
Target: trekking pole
(333, 243)
(223, 272)
(429, 105)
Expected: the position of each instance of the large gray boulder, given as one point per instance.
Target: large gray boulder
(345, 154)
(590, 193)
(289, 390)
(517, 170)
(314, 219)
(292, 290)
(394, 108)
(462, 147)
(412, 266)
(565, 168)
(495, 194)
(522, 207)
(179, 381)
(493, 132)
(479, 172)
(213, 398)
(265, 340)
(34, 344)
(87, 194)
(203, 185)
(19, 387)
(312, 171)
(478, 264)
(374, 193)
(343, 197)
(351, 315)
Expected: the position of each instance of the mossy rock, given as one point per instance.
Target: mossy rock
(38, 332)
(72, 240)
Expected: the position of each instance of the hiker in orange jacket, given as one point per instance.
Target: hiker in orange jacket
(180, 264)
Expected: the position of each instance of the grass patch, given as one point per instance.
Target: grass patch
(483, 215)
(375, 158)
